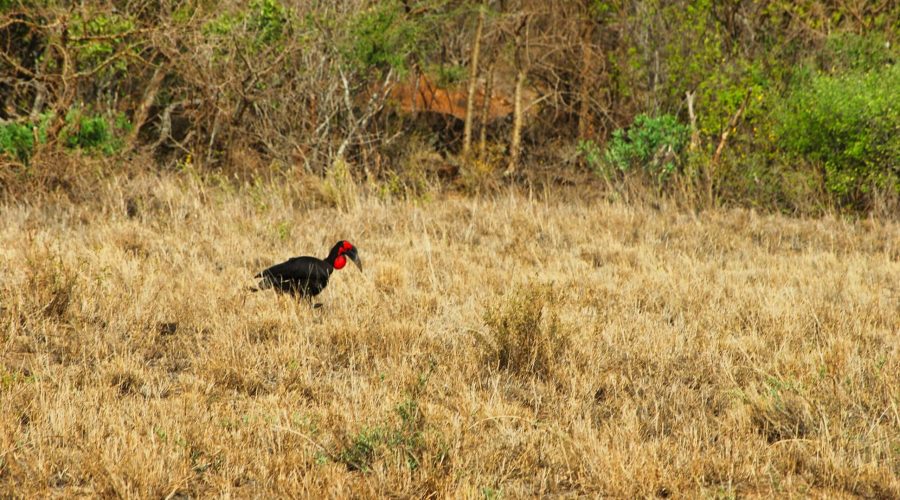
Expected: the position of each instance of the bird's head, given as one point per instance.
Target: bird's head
(341, 251)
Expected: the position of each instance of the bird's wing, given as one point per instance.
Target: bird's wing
(298, 269)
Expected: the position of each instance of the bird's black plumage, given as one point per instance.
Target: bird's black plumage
(307, 276)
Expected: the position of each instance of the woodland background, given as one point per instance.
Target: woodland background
(778, 104)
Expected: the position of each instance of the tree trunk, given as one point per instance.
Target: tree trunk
(486, 109)
(62, 99)
(140, 116)
(695, 133)
(723, 140)
(585, 127)
(515, 141)
(473, 77)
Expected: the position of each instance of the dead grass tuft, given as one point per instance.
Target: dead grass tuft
(525, 333)
(339, 188)
(780, 414)
(49, 285)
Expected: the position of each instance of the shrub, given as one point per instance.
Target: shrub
(381, 38)
(448, 75)
(651, 143)
(405, 438)
(94, 133)
(852, 52)
(525, 332)
(591, 152)
(16, 141)
(338, 187)
(269, 19)
(360, 452)
(849, 125)
(98, 36)
(263, 24)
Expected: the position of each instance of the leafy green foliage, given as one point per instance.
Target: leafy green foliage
(599, 9)
(592, 154)
(223, 25)
(382, 38)
(263, 24)
(692, 54)
(360, 452)
(651, 143)
(407, 437)
(726, 89)
(16, 141)
(448, 75)
(850, 124)
(268, 20)
(94, 133)
(852, 52)
(97, 37)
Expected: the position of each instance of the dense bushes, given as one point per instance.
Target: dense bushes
(786, 99)
(652, 143)
(850, 125)
(824, 132)
(382, 38)
(16, 141)
(92, 133)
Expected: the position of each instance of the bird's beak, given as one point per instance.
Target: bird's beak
(354, 256)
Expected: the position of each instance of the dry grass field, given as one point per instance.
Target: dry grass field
(502, 346)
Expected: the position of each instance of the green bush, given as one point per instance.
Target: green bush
(448, 75)
(265, 23)
(850, 126)
(651, 143)
(269, 19)
(852, 52)
(382, 37)
(94, 133)
(99, 36)
(362, 449)
(16, 141)
(592, 153)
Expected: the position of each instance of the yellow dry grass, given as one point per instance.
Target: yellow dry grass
(500, 346)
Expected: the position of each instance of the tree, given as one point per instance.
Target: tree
(473, 80)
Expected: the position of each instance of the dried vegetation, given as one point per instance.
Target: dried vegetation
(502, 346)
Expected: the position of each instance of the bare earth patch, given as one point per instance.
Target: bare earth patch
(493, 347)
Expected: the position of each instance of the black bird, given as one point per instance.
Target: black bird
(307, 276)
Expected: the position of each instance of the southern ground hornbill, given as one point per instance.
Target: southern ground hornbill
(307, 276)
